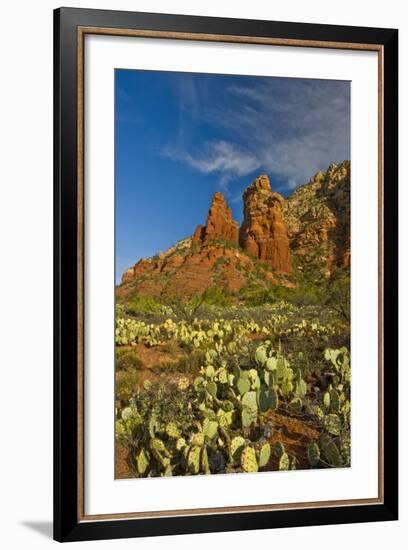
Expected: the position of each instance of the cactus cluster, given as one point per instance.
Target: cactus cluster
(220, 421)
(333, 414)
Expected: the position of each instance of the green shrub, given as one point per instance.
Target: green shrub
(126, 384)
(142, 304)
(127, 359)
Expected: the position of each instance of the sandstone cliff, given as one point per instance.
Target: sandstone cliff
(263, 233)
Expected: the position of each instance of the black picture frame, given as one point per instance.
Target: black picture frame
(67, 525)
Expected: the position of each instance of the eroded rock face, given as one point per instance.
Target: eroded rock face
(220, 225)
(263, 232)
(317, 216)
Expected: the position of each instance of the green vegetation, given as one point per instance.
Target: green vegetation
(240, 368)
(220, 421)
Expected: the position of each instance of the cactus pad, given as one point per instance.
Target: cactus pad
(330, 451)
(142, 461)
(284, 462)
(248, 460)
(172, 430)
(313, 453)
(264, 455)
(236, 448)
(193, 460)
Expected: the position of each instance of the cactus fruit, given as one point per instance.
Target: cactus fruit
(142, 461)
(313, 453)
(236, 447)
(330, 451)
(264, 455)
(284, 462)
(248, 460)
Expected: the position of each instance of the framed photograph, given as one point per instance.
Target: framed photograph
(225, 274)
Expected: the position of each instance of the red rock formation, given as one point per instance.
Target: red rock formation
(220, 225)
(263, 233)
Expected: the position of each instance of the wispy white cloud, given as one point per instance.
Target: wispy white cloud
(289, 128)
(217, 157)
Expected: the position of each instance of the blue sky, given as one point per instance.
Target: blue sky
(179, 137)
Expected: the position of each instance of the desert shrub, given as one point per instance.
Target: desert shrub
(253, 295)
(126, 384)
(216, 296)
(338, 293)
(138, 304)
(127, 358)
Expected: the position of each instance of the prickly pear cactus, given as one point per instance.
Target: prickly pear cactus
(313, 453)
(210, 428)
(172, 430)
(198, 439)
(261, 356)
(330, 451)
(193, 459)
(211, 388)
(332, 424)
(248, 460)
(236, 448)
(204, 464)
(243, 385)
(278, 449)
(284, 462)
(142, 461)
(264, 455)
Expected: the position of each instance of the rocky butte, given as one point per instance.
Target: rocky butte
(309, 230)
(263, 233)
(219, 226)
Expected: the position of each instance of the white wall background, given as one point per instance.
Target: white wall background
(26, 270)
